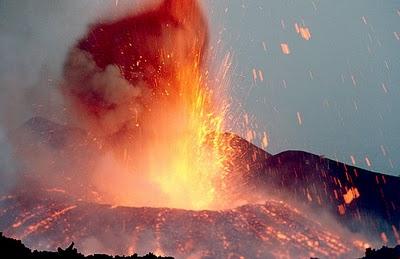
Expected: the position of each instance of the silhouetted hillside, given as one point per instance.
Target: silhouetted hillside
(11, 248)
(383, 253)
(362, 200)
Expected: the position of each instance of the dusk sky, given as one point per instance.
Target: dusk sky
(335, 93)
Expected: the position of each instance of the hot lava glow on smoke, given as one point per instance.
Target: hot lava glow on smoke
(140, 87)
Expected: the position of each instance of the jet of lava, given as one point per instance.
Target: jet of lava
(139, 86)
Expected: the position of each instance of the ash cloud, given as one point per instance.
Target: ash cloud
(122, 67)
(48, 74)
(103, 100)
(35, 39)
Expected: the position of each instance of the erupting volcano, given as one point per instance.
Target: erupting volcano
(145, 164)
(141, 84)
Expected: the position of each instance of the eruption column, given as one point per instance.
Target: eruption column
(140, 84)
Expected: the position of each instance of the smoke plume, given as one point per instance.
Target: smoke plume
(124, 67)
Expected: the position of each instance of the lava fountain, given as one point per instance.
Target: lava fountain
(140, 86)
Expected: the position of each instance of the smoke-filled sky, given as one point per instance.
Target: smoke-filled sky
(336, 94)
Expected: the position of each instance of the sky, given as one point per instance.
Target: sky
(336, 94)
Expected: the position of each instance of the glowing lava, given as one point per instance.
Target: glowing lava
(140, 87)
(270, 230)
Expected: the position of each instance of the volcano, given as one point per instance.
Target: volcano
(267, 230)
(292, 188)
(143, 164)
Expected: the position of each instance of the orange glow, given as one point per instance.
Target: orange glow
(351, 195)
(384, 238)
(285, 48)
(341, 209)
(181, 155)
(47, 221)
(179, 161)
(157, 117)
(159, 121)
(264, 142)
(303, 31)
(361, 244)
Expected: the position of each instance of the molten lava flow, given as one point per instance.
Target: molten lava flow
(270, 230)
(139, 86)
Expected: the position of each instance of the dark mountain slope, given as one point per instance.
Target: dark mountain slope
(11, 248)
(361, 199)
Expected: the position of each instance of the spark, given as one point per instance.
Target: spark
(341, 209)
(383, 150)
(303, 31)
(368, 161)
(384, 238)
(264, 46)
(353, 80)
(353, 160)
(261, 75)
(396, 234)
(285, 48)
(364, 20)
(264, 143)
(299, 118)
(351, 195)
(384, 88)
(283, 24)
(396, 34)
(254, 74)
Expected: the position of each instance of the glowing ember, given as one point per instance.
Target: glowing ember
(285, 48)
(350, 195)
(303, 31)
